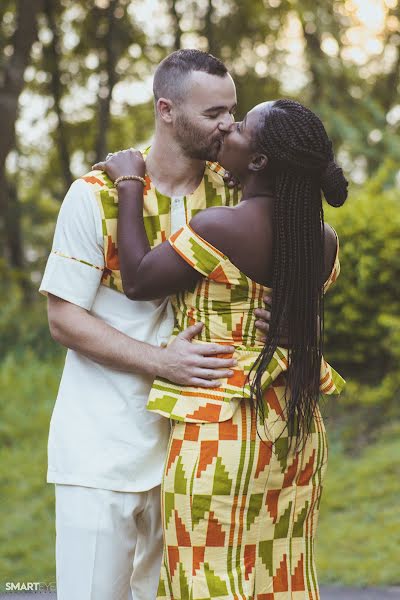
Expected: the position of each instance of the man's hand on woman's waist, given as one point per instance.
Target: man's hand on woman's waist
(263, 319)
(195, 365)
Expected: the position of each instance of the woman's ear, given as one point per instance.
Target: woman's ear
(258, 162)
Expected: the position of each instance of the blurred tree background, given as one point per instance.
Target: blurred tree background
(75, 83)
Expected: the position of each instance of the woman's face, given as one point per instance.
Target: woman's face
(238, 148)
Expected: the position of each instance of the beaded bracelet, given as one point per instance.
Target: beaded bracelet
(129, 177)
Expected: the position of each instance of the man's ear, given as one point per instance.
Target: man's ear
(258, 162)
(164, 109)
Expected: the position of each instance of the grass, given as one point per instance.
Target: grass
(359, 529)
(28, 389)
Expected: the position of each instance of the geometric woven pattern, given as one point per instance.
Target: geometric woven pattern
(240, 506)
(225, 301)
(212, 191)
(240, 512)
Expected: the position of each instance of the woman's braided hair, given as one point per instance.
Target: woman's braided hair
(301, 164)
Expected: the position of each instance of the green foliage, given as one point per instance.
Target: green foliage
(359, 525)
(23, 319)
(29, 387)
(359, 514)
(363, 311)
(88, 61)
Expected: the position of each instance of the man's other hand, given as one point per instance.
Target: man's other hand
(263, 320)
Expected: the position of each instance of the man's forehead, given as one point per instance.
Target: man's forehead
(212, 90)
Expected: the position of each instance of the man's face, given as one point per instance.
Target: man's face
(205, 115)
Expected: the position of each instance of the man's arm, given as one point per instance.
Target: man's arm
(181, 362)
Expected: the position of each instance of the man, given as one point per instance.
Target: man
(106, 452)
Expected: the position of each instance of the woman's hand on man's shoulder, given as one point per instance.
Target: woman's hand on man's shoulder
(124, 162)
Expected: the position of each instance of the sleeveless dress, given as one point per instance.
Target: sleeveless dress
(239, 505)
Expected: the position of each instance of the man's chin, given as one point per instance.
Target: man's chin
(210, 153)
(215, 152)
(220, 155)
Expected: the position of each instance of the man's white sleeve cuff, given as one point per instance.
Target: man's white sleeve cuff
(71, 280)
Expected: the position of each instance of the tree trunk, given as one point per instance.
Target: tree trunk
(14, 227)
(176, 25)
(15, 241)
(12, 78)
(11, 85)
(55, 85)
(315, 59)
(387, 85)
(392, 84)
(209, 30)
(105, 93)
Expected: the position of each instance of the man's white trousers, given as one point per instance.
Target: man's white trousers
(108, 544)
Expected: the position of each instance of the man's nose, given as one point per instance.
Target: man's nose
(226, 123)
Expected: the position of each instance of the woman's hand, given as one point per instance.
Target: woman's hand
(124, 162)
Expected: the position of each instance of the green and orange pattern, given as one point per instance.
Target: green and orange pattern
(240, 508)
(240, 505)
(224, 301)
(156, 212)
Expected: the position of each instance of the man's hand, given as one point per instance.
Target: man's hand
(263, 320)
(181, 362)
(195, 364)
(125, 162)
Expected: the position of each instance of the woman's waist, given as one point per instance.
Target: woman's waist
(194, 404)
(222, 321)
(246, 356)
(248, 339)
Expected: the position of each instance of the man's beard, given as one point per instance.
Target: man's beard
(194, 143)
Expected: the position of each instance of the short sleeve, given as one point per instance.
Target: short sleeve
(75, 265)
(203, 257)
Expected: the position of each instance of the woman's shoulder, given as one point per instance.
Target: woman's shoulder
(216, 225)
(243, 234)
(331, 247)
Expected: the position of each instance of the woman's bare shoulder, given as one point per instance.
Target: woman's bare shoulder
(330, 239)
(215, 224)
(218, 214)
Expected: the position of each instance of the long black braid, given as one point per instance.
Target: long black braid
(301, 163)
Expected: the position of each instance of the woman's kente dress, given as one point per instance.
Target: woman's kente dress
(240, 508)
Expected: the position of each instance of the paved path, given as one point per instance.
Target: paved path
(342, 593)
(327, 593)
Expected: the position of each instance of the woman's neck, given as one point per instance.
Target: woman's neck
(256, 184)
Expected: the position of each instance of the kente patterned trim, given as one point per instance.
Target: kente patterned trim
(240, 507)
(84, 262)
(212, 191)
(225, 301)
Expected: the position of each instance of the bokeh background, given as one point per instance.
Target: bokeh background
(75, 83)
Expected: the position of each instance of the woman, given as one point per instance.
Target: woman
(246, 460)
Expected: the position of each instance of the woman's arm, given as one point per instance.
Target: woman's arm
(146, 274)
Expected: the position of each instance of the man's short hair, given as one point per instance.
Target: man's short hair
(171, 73)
